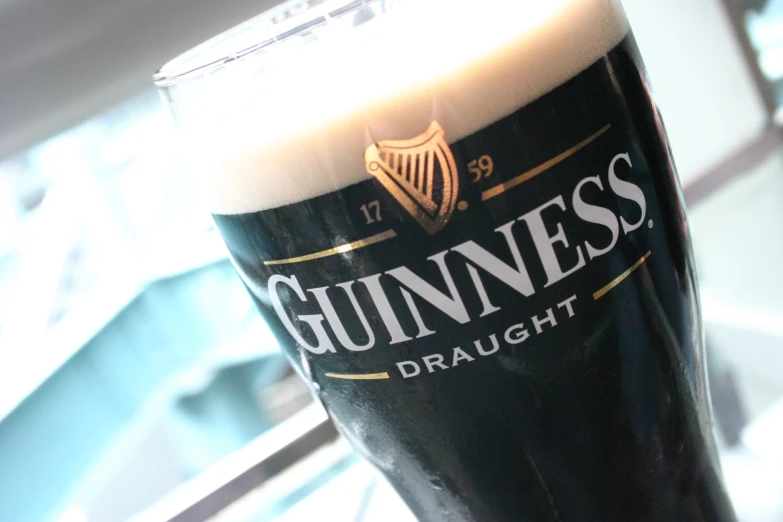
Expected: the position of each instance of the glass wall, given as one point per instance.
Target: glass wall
(131, 358)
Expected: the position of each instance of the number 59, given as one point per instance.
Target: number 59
(481, 168)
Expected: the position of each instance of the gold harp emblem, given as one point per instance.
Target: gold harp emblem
(420, 173)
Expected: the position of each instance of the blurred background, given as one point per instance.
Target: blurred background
(138, 383)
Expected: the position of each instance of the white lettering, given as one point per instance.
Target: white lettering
(451, 304)
(517, 278)
(595, 214)
(460, 355)
(315, 321)
(413, 373)
(545, 243)
(489, 308)
(423, 330)
(567, 305)
(482, 351)
(516, 334)
(434, 360)
(334, 320)
(627, 190)
(388, 316)
(550, 318)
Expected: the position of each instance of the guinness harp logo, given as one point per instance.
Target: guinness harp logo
(420, 173)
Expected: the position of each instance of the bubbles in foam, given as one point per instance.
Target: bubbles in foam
(272, 133)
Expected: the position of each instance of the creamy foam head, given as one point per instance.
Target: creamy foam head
(296, 125)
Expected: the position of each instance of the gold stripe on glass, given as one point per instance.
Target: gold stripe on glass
(605, 290)
(383, 236)
(530, 174)
(360, 377)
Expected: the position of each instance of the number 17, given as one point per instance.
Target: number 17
(372, 205)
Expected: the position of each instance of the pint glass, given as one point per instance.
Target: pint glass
(463, 224)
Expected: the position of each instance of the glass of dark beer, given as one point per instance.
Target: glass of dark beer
(463, 224)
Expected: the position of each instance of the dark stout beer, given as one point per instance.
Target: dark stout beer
(465, 228)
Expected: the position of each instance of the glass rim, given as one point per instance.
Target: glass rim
(218, 51)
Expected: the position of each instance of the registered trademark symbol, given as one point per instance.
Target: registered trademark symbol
(463, 205)
(650, 223)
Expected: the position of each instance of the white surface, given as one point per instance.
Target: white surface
(701, 81)
(738, 243)
(755, 485)
(65, 61)
(753, 469)
(764, 436)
